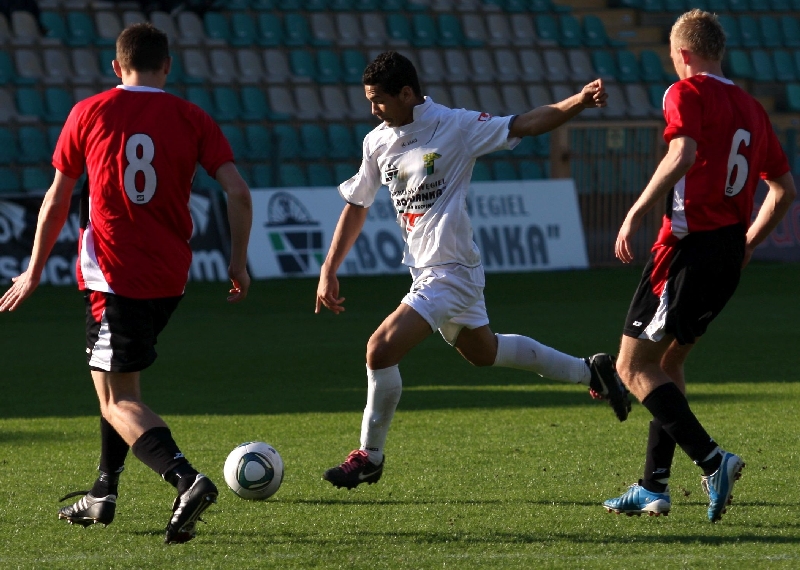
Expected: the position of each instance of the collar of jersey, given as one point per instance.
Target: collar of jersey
(418, 111)
(142, 88)
(718, 78)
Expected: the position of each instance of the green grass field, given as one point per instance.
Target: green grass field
(485, 468)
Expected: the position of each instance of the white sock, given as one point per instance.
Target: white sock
(384, 387)
(515, 351)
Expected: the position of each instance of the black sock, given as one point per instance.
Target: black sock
(113, 451)
(660, 451)
(670, 407)
(156, 449)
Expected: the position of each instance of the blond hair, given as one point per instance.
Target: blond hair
(701, 33)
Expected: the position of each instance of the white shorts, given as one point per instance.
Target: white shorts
(449, 298)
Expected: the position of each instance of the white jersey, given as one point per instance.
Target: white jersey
(427, 166)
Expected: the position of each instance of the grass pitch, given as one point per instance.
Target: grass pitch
(485, 467)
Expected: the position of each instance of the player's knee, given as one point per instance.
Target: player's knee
(625, 369)
(378, 354)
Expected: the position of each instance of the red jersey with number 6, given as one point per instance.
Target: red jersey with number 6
(735, 146)
(140, 147)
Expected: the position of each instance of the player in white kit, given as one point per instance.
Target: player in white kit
(425, 152)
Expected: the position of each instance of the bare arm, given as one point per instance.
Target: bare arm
(679, 159)
(781, 194)
(52, 216)
(344, 236)
(547, 117)
(240, 218)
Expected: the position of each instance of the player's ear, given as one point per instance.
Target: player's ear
(117, 68)
(167, 65)
(685, 53)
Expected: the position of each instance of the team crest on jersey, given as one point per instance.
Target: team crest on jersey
(428, 160)
(483, 117)
(390, 173)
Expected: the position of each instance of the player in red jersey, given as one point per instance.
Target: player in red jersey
(140, 147)
(720, 143)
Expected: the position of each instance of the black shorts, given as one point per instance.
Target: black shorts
(685, 286)
(121, 332)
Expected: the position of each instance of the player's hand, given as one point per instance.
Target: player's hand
(622, 248)
(22, 287)
(240, 284)
(594, 94)
(328, 294)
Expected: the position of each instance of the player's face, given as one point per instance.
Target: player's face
(393, 110)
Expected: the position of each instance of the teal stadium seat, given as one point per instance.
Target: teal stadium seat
(58, 103)
(259, 142)
(262, 176)
(449, 31)
(718, 6)
(793, 97)
(515, 6)
(652, 5)
(315, 5)
(340, 142)
(8, 146)
(176, 73)
(627, 67)
(237, 141)
(770, 32)
(655, 93)
(32, 145)
(340, 5)
(750, 34)
(329, 67)
(262, 5)
(286, 5)
(784, 66)
(287, 142)
(780, 5)
(790, 30)
(9, 181)
(270, 30)
(243, 30)
(398, 29)
(423, 31)
(202, 98)
(481, 172)
(296, 32)
(313, 141)
(733, 38)
(54, 26)
(595, 35)
(543, 145)
(8, 74)
(546, 29)
(217, 27)
(739, 5)
(760, 5)
(569, 31)
(675, 6)
(30, 103)
(366, 5)
(227, 104)
(35, 179)
(254, 104)
(53, 132)
(320, 175)
(344, 171)
(545, 6)
(353, 65)
(763, 70)
(237, 5)
(107, 55)
(739, 64)
(361, 130)
(652, 71)
(604, 65)
(80, 29)
(291, 176)
(301, 63)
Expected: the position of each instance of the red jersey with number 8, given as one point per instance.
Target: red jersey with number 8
(140, 147)
(735, 146)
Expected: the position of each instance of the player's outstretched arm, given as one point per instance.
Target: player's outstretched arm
(782, 193)
(52, 215)
(344, 236)
(547, 117)
(240, 218)
(677, 162)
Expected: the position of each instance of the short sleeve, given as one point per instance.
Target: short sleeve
(69, 156)
(484, 133)
(360, 190)
(215, 150)
(683, 112)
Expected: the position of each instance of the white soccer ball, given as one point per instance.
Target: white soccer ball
(254, 470)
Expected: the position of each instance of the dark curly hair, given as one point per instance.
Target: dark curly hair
(391, 72)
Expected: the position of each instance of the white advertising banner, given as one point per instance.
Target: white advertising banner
(518, 225)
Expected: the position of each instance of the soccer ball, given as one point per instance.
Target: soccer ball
(254, 470)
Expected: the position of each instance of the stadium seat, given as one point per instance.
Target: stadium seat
(580, 66)
(8, 146)
(718, 6)
(529, 170)
(202, 98)
(504, 170)
(357, 104)
(555, 65)
(237, 141)
(262, 4)
(749, 32)
(739, 5)
(217, 28)
(291, 176)
(32, 145)
(84, 65)
(9, 181)
(7, 74)
(604, 65)
(733, 38)
(423, 31)
(448, 32)
(25, 28)
(506, 66)
(242, 30)
(675, 6)
(8, 110)
(353, 65)
(348, 29)
(652, 70)
(81, 93)
(481, 65)
(531, 65)
(739, 64)
(569, 31)
(313, 142)
(538, 96)
(262, 176)
(456, 66)
(276, 66)
(514, 99)
(546, 30)
(57, 104)
(334, 103)
(280, 103)
(780, 5)
(323, 31)
(785, 71)
(29, 67)
(227, 104)
(523, 33)
(302, 65)
(270, 31)
(340, 141)
(192, 31)
(315, 5)
(329, 67)
(320, 175)
(763, 70)
(770, 32)
(295, 30)
(307, 103)
(627, 67)
(344, 171)
(5, 30)
(287, 142)
(237, 5)
(374, 30)
(361, 130)
(526, 148)
(259, 143)
(398, 30)
(790, 30)
(108, 28)
(498, 30)
(80, 30)
(793, 97)
(106, 56)
(481, 172)
(195, 66)
(30, 103)
(222, 67)
(251, 68)
(464, 98)
(53, 23)
(595, 35)
(655, 93)
(473, 30)
(639, 106)
(652, 6)
(489, 101)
